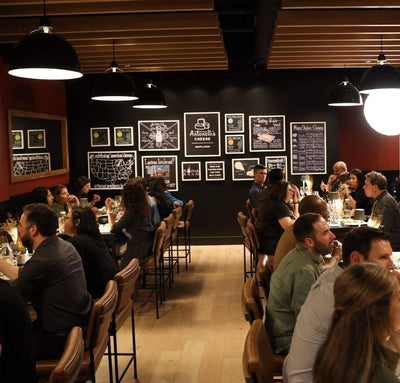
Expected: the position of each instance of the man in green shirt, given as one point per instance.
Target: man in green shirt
(292, 281)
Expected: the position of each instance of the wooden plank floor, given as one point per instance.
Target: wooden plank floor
(200, 334)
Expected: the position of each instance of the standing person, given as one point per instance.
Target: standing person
(17, 356)
(42, 195)
(84, 234)
(339, 176)
(385, 210)
(81, 188)
(292, 281)
(260, 175)
(362, 343)
(354, 191)
(275, 213)
(361, 244)
(53, 280)
(63, 200)
(135, 224)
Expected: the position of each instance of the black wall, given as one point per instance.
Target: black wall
(299, 95)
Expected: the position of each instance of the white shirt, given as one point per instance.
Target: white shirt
(311, 330)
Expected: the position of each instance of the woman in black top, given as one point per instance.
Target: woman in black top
(42, 195)
(81, 188)
(275, 213)
(354, 191)
(157, 190)
(136, 223)
(84, 233)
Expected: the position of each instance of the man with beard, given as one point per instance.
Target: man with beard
(53, 280)
(292, 281)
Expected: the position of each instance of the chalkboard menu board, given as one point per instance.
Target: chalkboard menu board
(308, 147)
(267, 133)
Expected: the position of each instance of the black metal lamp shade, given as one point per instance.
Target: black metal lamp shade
(345, 94)
(380, 77)
(151, 98)
(114, 86)
(45, 56)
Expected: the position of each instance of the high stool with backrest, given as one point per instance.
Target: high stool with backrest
(126, 283)
(68, 366)
(242, 221)
(177, 213)
(263, 273)
(185, 226)
(170, 222)
(96, 341)
(250, 301)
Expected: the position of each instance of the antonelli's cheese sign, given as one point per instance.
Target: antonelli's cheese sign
(202, 134)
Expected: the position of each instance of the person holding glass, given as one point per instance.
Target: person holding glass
(362, 344)
(63, 200)
(353, 190)
(81, 188)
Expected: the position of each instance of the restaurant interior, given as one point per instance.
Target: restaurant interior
(248, 57)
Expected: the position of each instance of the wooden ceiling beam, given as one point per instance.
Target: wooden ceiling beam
(359, 55)
(217, 48)
(312, 66)
(334, 37)
(126, 60)
(35, 8)
(342, 4)
(116, 23)
(163, 68)
(318, 30)
(336, 44)
(156, 55)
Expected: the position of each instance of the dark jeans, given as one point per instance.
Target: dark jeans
(48, 345)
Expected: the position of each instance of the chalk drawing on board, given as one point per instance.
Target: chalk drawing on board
(31, 163)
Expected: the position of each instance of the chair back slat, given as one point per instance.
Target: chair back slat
(159, 240)
(188, 210)
(250, 301)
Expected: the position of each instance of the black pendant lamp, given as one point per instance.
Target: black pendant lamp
(151, 97)
(114, 85)
(380, 77)
(44, 55)
(345, 94)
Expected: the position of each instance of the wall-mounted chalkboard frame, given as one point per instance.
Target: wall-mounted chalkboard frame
(57, 141)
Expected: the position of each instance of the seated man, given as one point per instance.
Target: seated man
(339, 176)
(362, 244)
(287, 242)
(385, 210)
(17, 358)
(293, 279)
(53, 280)
(260, 174)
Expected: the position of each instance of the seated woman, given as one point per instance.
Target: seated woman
(63, 201)
(354, 191)
(157, 190)
(84, 234)
(42, 195)
(135, 224)
(362, 344)
(81, 188)
(275, 213)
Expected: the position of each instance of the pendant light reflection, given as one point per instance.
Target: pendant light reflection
(382, 112)
(151, 97)
(43, 55)
(345, 94)
(114, 85)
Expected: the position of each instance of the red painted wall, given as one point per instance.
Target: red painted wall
(34, 96)
(361, 147)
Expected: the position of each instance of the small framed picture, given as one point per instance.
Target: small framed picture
(234, 122)
(123, 135)
(100, 136)
(17, 137)
(215, 171)
(191, 171)
(234, 144)
(36, 138)
(277, 162)
(243, 168)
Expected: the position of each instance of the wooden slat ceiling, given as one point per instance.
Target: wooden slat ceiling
(335, 33)
(149, 35)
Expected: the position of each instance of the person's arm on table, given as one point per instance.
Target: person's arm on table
(110, 214)
(9, 270)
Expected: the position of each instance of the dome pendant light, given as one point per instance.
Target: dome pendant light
(345, 94)
(44, 55)
(114, 85)
(151, 98)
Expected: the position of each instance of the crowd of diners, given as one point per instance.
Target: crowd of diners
(68, 271)
(333, 309)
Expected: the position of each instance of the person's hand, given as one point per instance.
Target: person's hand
(94, 209)
(337, 250)
(296, 193)
(109, 203)
(96, 198)
(346, 189)
(176, 204)
(323, 186)
(73, 199)
(332, 178)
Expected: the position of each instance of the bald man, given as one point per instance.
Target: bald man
(287, 242)
(339, 176)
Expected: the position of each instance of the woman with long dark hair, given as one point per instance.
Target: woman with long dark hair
(157, 189)
(63, 201)
(362, 345)
(136, 223)
(275, 213)
(353, 189)
(42, 195)
(81, 188)
(99, 267)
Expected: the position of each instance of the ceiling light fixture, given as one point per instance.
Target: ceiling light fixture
(151, 98)
(114, 85)
(345, 94)
(43, 55)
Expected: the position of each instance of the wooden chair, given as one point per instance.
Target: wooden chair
(255, 245)
(263, 273)
(168, 262)
(177, 213)
(126, 283)
(250, 300)
(252, 212)
(96, 341)
(68, 366)
(242, 221)
(184, 227)
(258, 359)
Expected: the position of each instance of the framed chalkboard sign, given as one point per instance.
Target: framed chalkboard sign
(158, 135)
(277, 162)
(165, 166)
(46, 153)
(267, 133)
